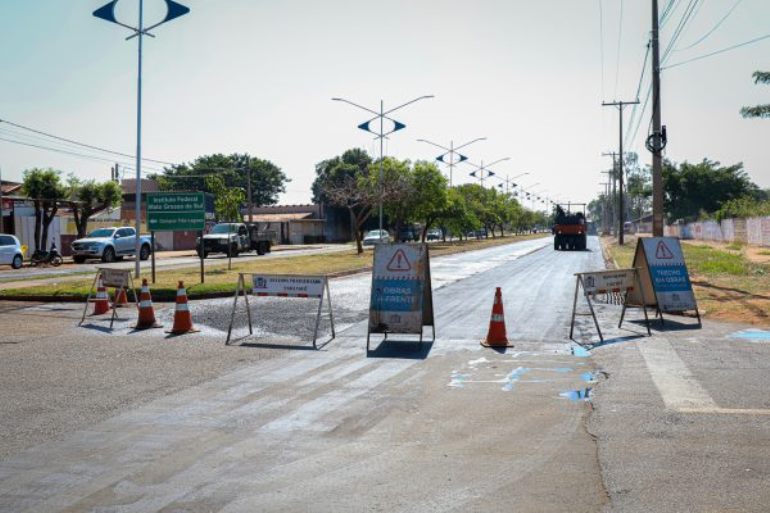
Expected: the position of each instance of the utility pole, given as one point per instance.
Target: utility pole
(620, 105)
(613, 176)
(248, 187)
(605, 208)
(657, 141)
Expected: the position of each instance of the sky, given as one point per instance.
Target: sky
(258, 76)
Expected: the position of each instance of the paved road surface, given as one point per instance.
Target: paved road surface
(447, 426)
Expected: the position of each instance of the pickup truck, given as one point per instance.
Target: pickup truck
(110, 244)
(234, 238)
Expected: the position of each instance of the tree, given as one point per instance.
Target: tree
(351, 181)
(457, 216)
(227, 200)
(759, 111)
(236, 169)
(89, 197)
(44, 187)
(430, 198)
(704, 187)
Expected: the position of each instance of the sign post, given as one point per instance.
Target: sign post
(176, 212)
(665, 282)
(616, 281)
(402, 296)
(279, 285)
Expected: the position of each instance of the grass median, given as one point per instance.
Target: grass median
(219, 280)
(728, 285)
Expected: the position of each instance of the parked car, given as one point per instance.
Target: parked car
(373, 237)
(433, 234)
(10, 251)
(110, 244)
(234, 238)
(409, 234)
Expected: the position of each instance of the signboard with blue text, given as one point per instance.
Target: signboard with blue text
(401, 297)
(665, 280)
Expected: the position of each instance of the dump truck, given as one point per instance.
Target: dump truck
(569, 230)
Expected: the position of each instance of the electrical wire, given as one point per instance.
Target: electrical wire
(723, 50)
(601, 42)
(620, 40)
(687, 16)
(714, 28)
(664, 17)
(84, 145)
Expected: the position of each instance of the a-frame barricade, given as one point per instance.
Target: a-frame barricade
(121, 279)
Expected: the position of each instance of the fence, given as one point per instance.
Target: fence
(754, 231)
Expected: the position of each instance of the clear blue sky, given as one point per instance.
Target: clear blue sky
(257, 76)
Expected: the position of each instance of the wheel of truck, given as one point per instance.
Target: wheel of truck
(144, 253)
(204, 255)
(260, 248)
(268, 246)
(108, 255)
(78, 259)
(555, 245)
(233, 250)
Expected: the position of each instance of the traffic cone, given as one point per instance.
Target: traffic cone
(182, 319)
(121, 299)
(496, 336)
(101, 301)
(146, 311)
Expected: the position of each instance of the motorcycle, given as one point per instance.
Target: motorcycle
(51, 257)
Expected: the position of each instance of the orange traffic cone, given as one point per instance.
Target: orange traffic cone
(101, 301)
(182, 319)
(146, 311)
(121, 299)
(496, 336)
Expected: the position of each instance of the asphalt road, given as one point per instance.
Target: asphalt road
(675, 422)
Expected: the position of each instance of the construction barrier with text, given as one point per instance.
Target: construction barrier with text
(289, 286)
(121, 280)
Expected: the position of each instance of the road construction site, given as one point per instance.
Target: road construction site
(137, 421)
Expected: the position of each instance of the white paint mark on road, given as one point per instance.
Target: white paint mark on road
(676, 384)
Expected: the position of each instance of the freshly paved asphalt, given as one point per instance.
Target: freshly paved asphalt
(678, 421)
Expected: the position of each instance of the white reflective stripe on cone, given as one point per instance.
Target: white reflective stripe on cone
(181, 292)
(145, 304)
(497, 318)
(145, 290)
(182, 307)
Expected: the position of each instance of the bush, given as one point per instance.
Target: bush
(743, 208)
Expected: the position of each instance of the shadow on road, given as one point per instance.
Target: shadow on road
(406, 349)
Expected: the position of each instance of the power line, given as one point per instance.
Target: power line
(687, 16)
(601, 42)
(723, 50)
(59, 150)
(77, 143)
(714, 29)
(666, 12)
(620, 39)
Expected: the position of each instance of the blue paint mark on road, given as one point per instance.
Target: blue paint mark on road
(513, 377)
(753, 335)
(588, 377)
(578, 395)
(458, 379)
(580, 351)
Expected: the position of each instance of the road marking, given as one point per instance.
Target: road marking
(676, 384)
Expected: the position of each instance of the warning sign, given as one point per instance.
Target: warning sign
(662, 252)
(399, 262)
(665, 282)
(401, 297)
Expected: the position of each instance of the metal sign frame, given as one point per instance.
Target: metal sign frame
(241, 289)
(127, 278)
(426, 304)
(648, 294)
(579, 282)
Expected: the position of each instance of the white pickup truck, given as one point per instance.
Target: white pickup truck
(110, 244)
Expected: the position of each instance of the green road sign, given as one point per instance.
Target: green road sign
(175, 211)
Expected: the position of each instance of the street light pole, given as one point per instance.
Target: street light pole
(481, 169)
(382, 114)
(452, 151)
(107, 13)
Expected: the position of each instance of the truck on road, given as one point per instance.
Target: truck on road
(569, 230)
(235, 238)
(110, 244)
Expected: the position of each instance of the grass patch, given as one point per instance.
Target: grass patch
(764, 252)
(735, 246)
(221, 280)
